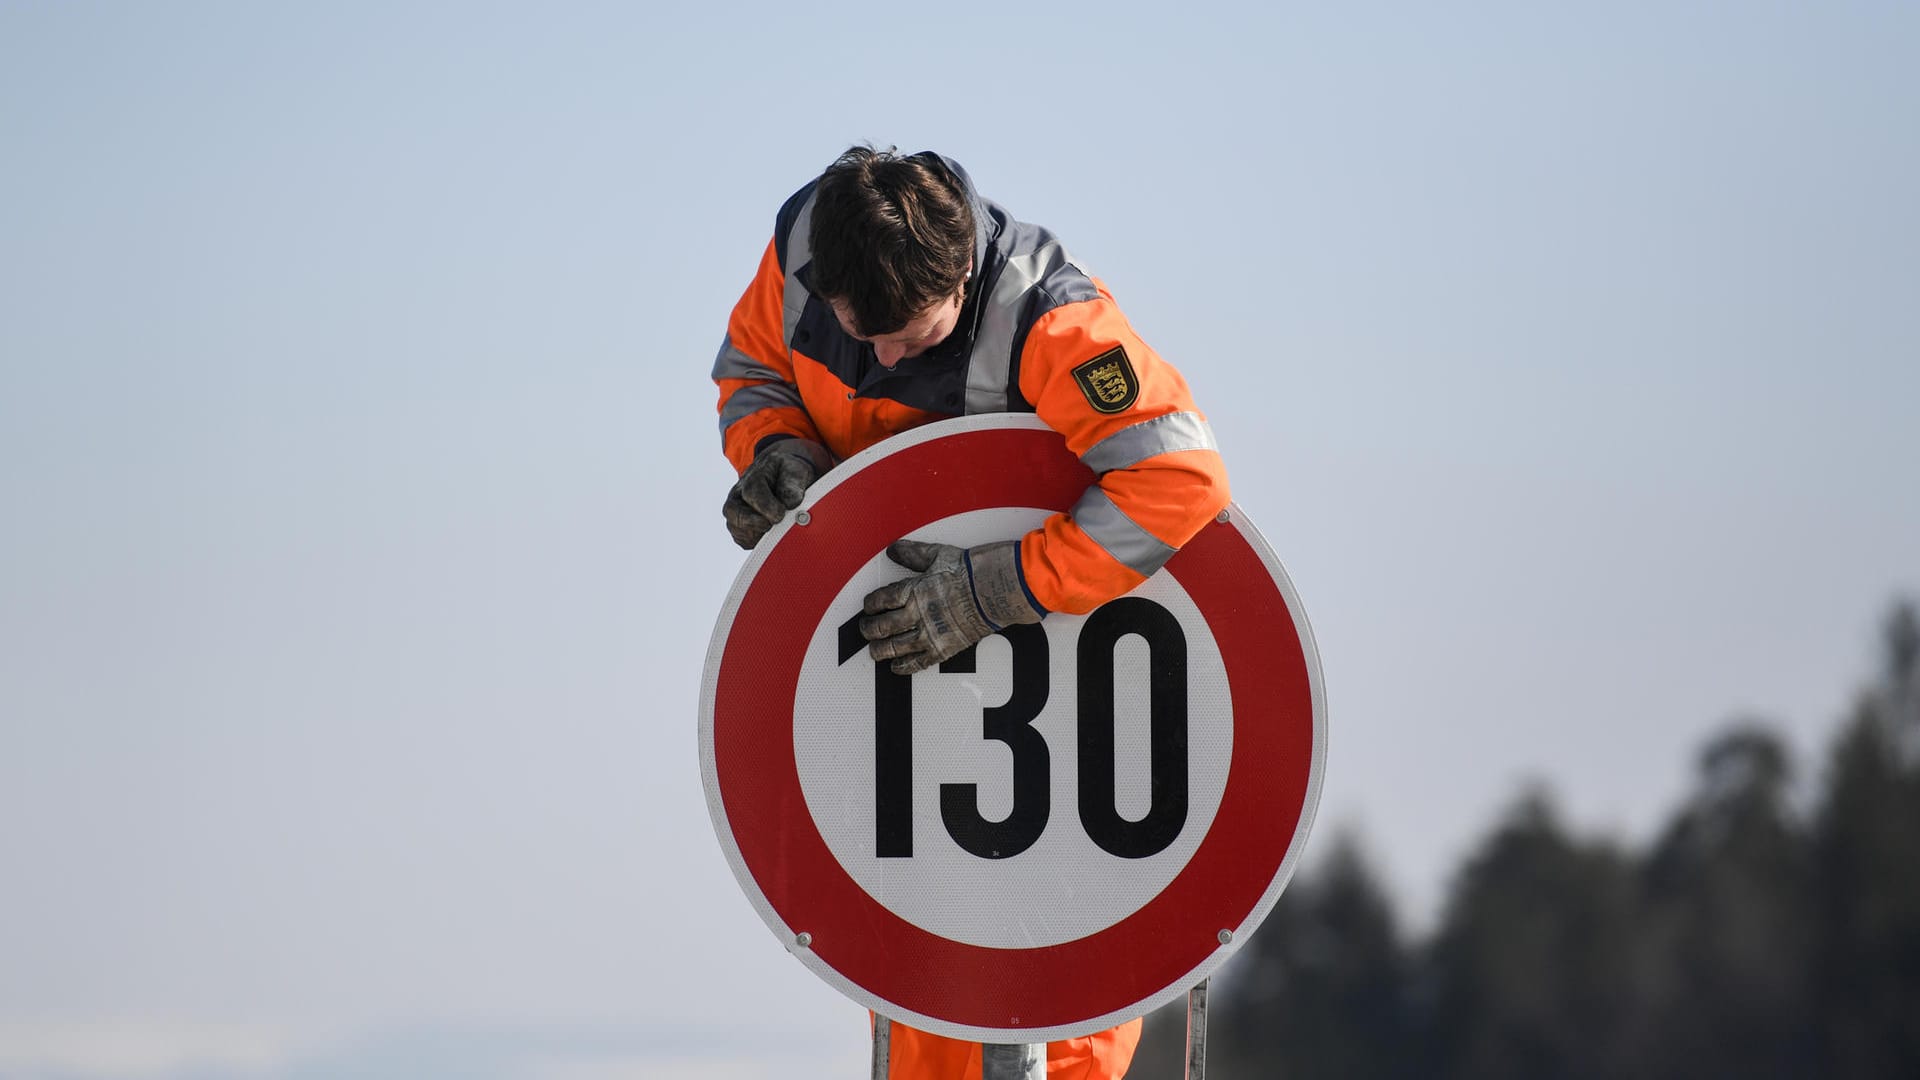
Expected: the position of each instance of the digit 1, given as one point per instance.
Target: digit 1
(892, 749)
(1167, 712)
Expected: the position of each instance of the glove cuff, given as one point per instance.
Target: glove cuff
(805, 449)
(998, 588)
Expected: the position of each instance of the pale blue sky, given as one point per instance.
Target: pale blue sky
(361, 488)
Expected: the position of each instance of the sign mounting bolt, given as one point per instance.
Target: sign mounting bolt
(805, 940)
(1223, 517)
(802, 518)
(1226, 936)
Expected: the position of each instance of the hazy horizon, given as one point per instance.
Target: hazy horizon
(357, 570)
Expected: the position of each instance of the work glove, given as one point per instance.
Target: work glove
(956, 597)
(771, 486)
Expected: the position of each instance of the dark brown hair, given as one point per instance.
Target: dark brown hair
(891, 237)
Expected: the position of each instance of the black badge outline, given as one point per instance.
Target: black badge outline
(1084, 376)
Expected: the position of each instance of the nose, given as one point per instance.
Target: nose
(889, 354)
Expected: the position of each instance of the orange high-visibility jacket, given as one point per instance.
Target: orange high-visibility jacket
(1036, 334)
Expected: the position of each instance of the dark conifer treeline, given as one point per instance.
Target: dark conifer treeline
(1749, 939)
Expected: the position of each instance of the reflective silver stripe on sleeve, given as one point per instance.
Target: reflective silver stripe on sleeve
(799, 253)
(734, 364)
(992, 362)
(1129, 544)
(1160, 435)
(751, 399)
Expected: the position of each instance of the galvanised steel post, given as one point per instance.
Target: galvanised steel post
(1197, 1032)
(1013, 1061)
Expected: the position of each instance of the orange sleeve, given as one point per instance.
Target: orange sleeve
(759, 396)
(1091, 378)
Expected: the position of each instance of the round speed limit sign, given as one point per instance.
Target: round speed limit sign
(1055, 831)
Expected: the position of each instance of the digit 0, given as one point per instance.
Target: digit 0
(1167, 727)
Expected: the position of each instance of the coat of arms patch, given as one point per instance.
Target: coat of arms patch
(1108, 381)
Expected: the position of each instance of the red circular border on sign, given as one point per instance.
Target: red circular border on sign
(875, 949)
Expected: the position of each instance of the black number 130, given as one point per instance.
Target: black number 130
(1011, 724)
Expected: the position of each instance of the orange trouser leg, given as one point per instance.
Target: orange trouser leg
(922, 1055)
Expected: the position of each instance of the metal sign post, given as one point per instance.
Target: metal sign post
(1013, 1061)
(1197, 1032)
(882, 1046)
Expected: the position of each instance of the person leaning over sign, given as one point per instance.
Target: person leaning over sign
(893, 295)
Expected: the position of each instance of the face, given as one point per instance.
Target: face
(922, 332)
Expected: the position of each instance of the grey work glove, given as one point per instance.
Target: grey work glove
(958, 596)
(771, 486)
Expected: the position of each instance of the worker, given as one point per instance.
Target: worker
(892, 295)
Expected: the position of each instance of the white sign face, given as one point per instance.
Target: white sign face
(1038, 896)
(1055, 831)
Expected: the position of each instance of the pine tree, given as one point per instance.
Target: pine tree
(1724, 927)
(1867, 866)
(1531, 972)
(1319, 990)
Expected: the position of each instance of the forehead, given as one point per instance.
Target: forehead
(917, 326)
